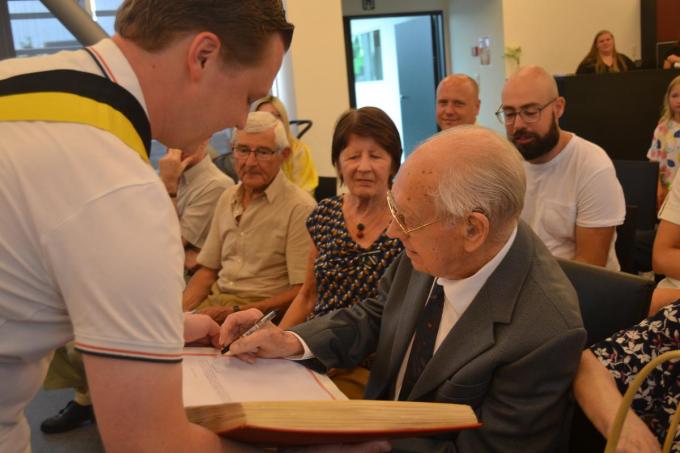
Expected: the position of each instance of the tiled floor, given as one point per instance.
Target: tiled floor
(48, 403)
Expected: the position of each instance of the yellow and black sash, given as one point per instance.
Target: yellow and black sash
(77, 97)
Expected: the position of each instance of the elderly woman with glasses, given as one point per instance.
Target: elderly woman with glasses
(350, 249)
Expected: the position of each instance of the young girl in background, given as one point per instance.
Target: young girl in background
(665, 147)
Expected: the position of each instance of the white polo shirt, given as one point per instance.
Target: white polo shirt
(89, 246)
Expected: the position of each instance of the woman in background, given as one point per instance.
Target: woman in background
(665, 147)
(350, 249)
(299, 167)
(603, 57)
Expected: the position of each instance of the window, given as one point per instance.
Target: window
(36, 31)
(367, 56)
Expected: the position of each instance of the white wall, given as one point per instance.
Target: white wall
(318, 73)
(468, 21)
(557, 34)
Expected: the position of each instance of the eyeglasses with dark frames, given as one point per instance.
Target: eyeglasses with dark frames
(529, 114)
(261, 152)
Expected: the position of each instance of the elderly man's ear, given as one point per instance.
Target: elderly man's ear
(285, 152)
(475, 231)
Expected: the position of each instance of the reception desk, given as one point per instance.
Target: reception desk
(617, 111)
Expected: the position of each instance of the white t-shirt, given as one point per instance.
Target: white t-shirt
(577, 187)
(89, 247)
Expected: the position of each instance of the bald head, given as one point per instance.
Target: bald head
(465, 169)
(533, 79)
(457, 101)
(459, 81)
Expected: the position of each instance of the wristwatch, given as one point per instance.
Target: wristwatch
(235, 308)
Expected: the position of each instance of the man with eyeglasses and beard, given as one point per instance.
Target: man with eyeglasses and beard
(256, 251)
(573, 200)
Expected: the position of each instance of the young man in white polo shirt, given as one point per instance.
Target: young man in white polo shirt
(90, 244)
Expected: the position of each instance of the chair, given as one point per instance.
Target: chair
(225, 162)
(328, 187)
(609, 301)
(625, 240)
(639, 179)
(628, 399)
(303, 126)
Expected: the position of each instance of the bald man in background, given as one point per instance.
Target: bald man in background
(457, 101)
(573, 200)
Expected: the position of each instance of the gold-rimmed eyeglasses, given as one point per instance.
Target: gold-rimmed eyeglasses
(399, 218)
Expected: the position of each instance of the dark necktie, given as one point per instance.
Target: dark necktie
(423, 343)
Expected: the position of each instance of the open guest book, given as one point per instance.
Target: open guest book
(280, 402)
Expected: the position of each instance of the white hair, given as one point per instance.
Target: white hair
(261, 122)
(489, 178)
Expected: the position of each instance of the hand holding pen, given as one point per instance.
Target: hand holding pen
(255, 327)
(266, 340)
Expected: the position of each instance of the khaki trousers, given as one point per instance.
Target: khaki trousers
(67, 371)
(219, 299)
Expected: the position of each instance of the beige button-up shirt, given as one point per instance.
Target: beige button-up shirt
(197, 193)
(262, 250)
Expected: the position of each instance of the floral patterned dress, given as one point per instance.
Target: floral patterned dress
(665, 150)
(345, 272)
(625, 353)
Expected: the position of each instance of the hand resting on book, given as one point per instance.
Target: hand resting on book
(201, 329)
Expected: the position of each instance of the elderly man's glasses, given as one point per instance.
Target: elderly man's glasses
(261, 152)
(529, 114)
(399, 218)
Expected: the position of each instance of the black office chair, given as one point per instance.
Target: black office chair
(638, 179)
(609, 301)
(328, 187)
(625, 240)
(303, 126)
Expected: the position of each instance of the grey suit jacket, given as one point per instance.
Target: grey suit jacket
(511, 356)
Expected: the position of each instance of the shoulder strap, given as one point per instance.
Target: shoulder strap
(77, 97)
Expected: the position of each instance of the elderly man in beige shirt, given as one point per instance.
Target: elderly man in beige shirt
(256, 249)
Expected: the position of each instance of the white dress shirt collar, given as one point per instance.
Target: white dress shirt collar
(460, 293)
